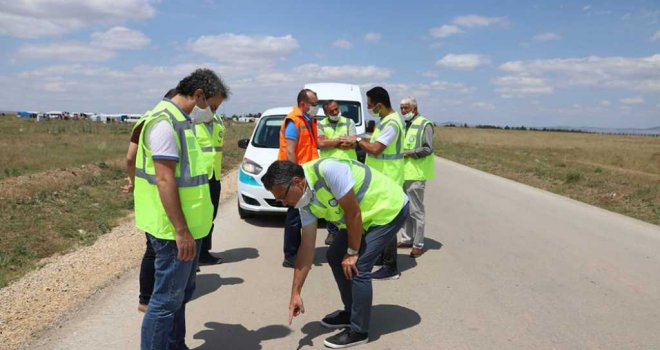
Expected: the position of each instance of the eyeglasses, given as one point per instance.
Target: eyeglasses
(286, 193)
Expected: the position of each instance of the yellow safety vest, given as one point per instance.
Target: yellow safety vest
(379, 197)
(191, 178)
(390, 162)
(417, 168)
(211, 142)
(332, 131)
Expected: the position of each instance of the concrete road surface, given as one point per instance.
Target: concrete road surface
(508, 267)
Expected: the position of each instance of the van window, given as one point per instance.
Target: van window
(349, 109)
(267, 134)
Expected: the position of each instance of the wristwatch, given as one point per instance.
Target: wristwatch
(351, 252)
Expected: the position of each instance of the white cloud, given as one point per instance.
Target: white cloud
(348, 72)
(641, 74)
(446, 85)
(637, 100)
(655, 36)
(373, 37)
(40, 18)
(462, 61)
(342, 44)
(445, 31)
(604, 103)
(547, 36)
(521, 86)
(479, 21)
(245, 50)
(120, 38)
(484, 105)
(67, 51)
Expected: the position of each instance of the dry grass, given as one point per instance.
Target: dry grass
(59, 186)
(618, 173)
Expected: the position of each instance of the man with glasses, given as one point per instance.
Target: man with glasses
(367, 207)
(172, 201)
(298, 144)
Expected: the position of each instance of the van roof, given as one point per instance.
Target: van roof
(277, 111)
(336, 91)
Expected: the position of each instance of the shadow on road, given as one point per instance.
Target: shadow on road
(405, 262)
(385, 319)
(238, 254)
(210, 282)
(236, 336)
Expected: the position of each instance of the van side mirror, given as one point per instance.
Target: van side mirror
(371, 125)
(243, 143)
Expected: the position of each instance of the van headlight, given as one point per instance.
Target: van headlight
(251, 167)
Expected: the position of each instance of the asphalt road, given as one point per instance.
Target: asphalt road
(508, 267)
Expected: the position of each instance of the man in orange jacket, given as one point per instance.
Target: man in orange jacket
(298, 144)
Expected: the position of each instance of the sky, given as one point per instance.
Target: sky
(531, 63)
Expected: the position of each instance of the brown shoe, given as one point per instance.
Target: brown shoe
(416, 252)
(402, 245)
(142, 307)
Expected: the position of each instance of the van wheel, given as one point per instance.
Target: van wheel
(244, 214)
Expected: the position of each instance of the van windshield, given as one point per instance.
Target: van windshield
(268, 132)
(349, 109)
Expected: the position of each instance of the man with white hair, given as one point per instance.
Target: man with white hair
(419, 166)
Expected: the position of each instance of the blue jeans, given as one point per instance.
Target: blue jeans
(357, 293)
(292, 227)
(164, 323)
(332, 229)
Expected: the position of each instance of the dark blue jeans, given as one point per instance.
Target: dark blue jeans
(332, 229)
(164, 323)
(292, 227)
(357, 293)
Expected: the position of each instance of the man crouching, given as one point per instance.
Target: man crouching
(367, 207)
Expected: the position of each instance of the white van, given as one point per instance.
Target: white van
(348, 97)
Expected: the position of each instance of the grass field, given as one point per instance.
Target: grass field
(618, 173)
(59, 186)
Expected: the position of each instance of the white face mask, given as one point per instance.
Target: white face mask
(408, 116)
(312, 111)
(199, 115)
(334, 118)
(374, 112)
(305, 199)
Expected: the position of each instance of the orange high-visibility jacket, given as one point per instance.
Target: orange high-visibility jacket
(307, 147)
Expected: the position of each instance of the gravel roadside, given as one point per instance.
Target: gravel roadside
(47, 296)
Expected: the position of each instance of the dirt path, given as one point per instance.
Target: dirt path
(43, 297)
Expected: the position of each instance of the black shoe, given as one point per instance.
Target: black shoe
(385, 273)
(290, 263)
(345, 339)
(340, 319)
(329, 239)
(208, 259)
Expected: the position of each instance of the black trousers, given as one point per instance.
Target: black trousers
(215, 187)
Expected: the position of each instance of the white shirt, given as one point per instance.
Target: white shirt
(162, 141)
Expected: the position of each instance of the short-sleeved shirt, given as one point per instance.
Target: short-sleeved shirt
(387, 136)
(162, 141)
(291, 132)
(339, 178)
